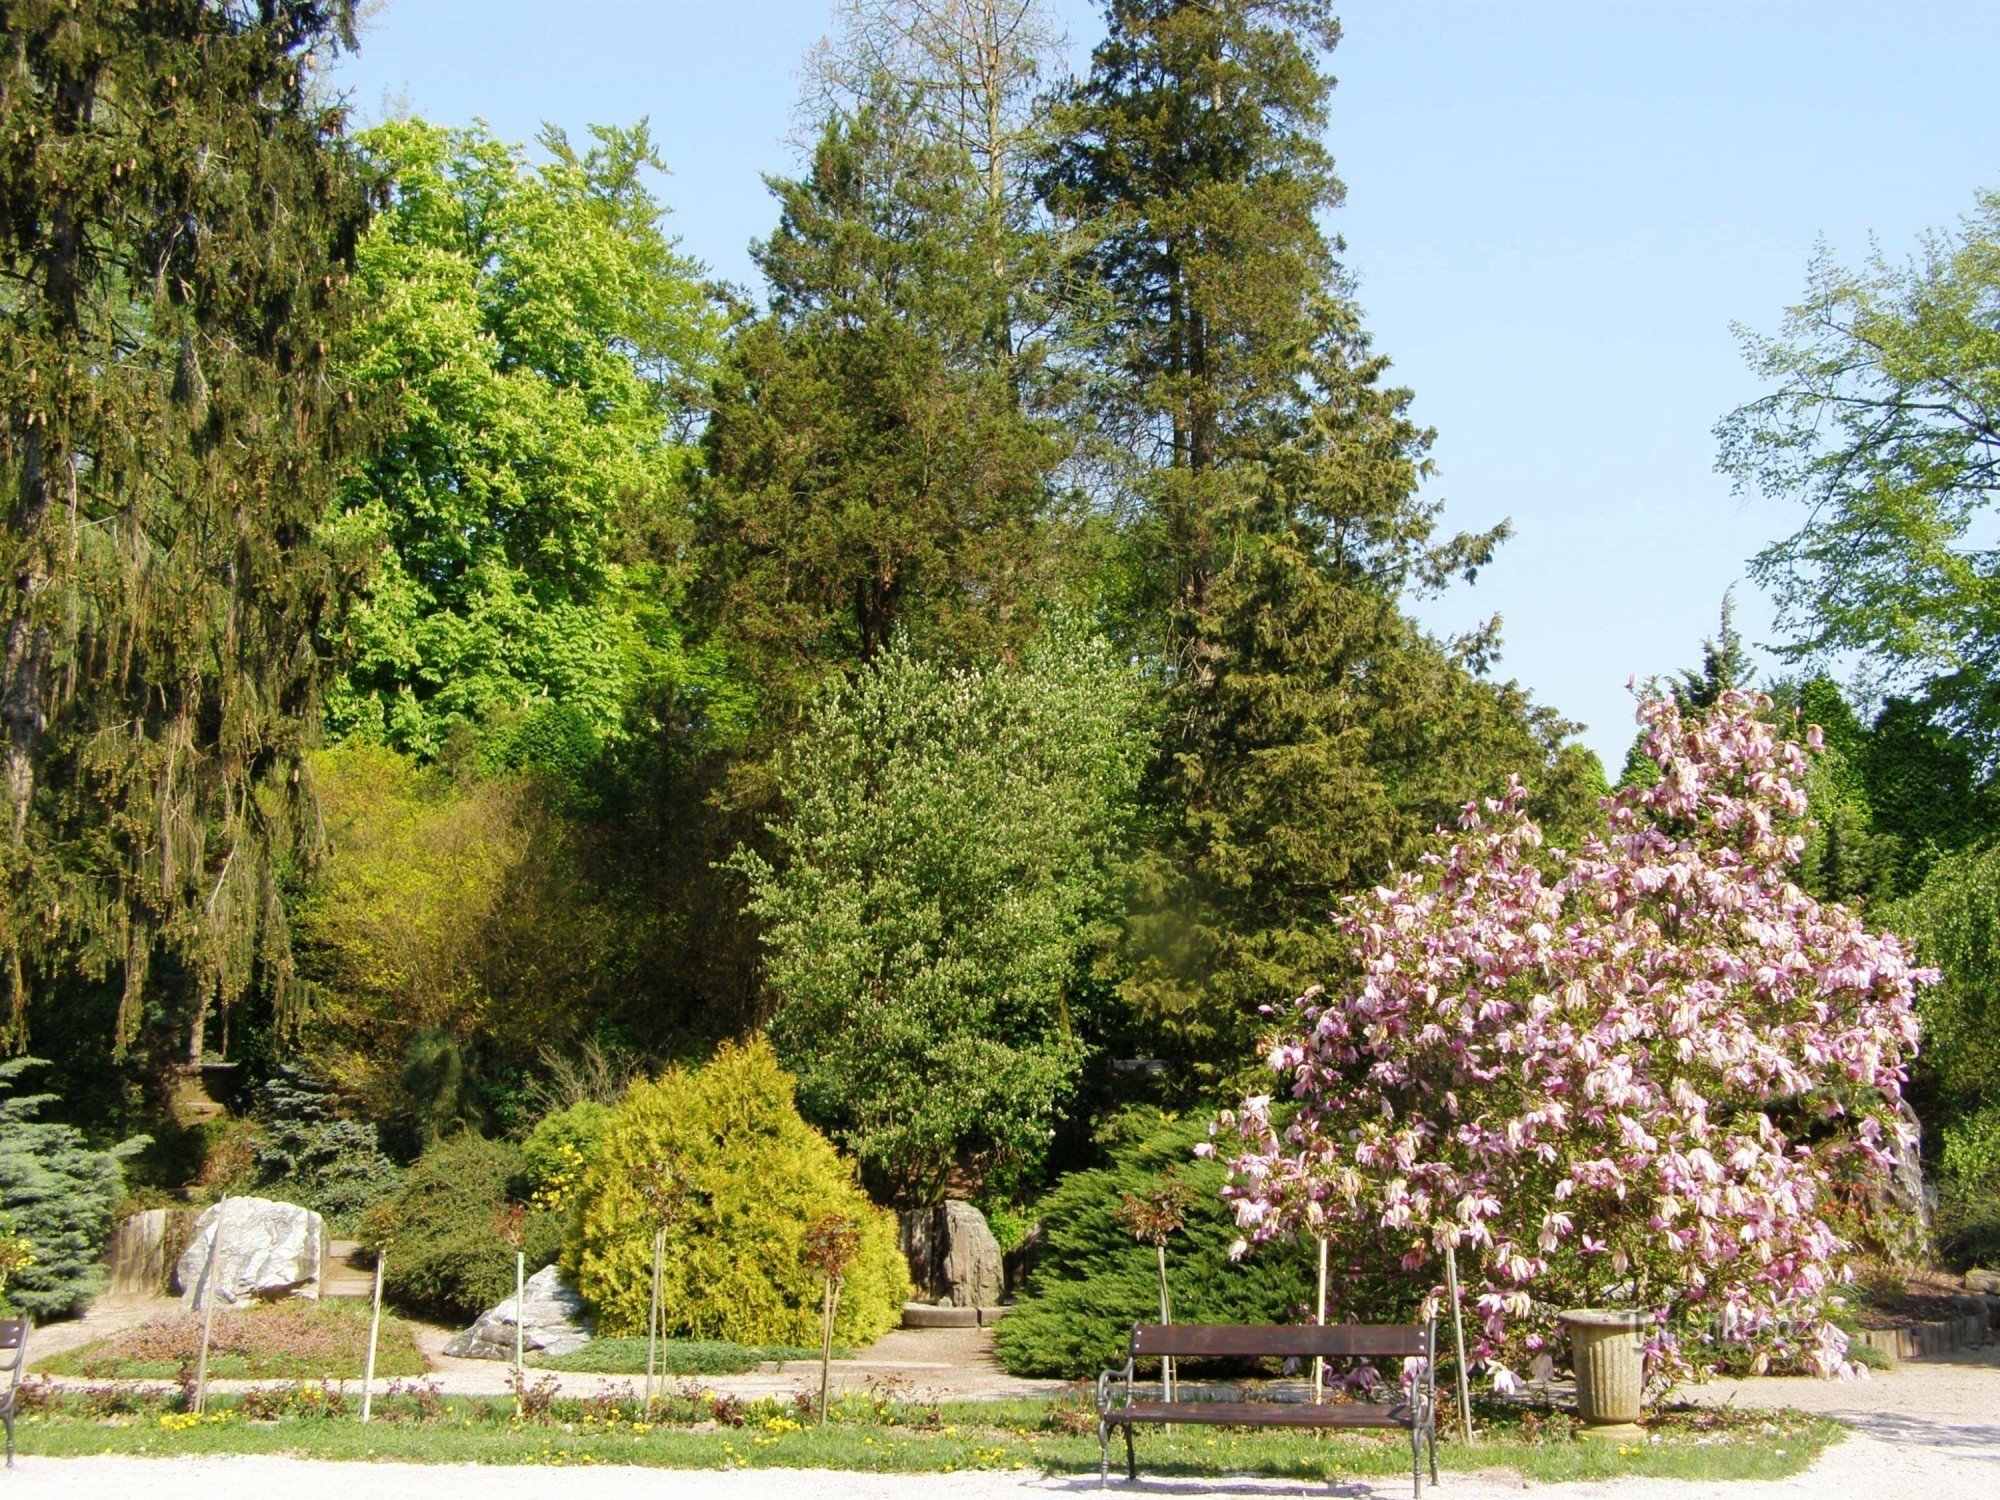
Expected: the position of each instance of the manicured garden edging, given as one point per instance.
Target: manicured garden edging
(1919, 1340)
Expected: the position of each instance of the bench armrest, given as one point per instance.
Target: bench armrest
(1104, 1379)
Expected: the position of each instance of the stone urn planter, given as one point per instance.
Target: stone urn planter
(1606, 1350)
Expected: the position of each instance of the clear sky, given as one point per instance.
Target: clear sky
(1555, 212)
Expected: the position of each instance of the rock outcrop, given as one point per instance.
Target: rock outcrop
(552, 1320)
(954, 1259)
(265, 1250)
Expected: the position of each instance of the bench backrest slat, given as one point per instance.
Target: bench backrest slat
(12, 1332)
(1279, 1341)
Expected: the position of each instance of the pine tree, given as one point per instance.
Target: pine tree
(1326, 735)
(56, 1195)
(178, 218)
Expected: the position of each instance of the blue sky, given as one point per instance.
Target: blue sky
(1555, 213)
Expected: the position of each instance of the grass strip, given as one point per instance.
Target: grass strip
(988, 1436)
(627, 1356)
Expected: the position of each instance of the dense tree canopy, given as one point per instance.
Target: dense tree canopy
(946, 866)
(538, 336)
(178, 225)
(877, 465)
(950, 687)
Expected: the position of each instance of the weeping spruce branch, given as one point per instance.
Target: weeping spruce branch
(178, 216)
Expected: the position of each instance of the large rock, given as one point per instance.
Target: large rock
(552, 1322)
(1987, 1282)
(265, 1250)
(954, 1259)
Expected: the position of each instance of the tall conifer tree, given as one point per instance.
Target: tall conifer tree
(178, 216)
(1313, 733)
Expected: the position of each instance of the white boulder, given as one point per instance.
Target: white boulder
(552, 1322)
(266, 1250)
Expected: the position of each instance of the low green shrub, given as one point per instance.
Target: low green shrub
(554, 1155)
(749, 1176)
(443, 1229)
(56, 1201)
(309, 1154)
(1091, 1280)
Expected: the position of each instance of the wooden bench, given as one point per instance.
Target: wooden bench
(1414, 1410)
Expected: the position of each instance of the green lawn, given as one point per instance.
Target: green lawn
(293, 1340)
(627, 1356)
(896, 1437)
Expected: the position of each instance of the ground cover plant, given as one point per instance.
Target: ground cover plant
(1646, 1074)
(882, 1430)
(290, 1340)
(627, 1356)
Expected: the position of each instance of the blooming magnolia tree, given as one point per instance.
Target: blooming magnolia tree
(1645, 1074)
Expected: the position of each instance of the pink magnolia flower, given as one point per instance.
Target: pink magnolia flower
(1632, 1074)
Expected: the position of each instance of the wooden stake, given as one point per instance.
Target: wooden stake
(1458, 1340)
(1166, 1318)
(826, 1306)
(1319, 1360)
(520, 1308)
(374, 1332)
(207, 1312)
(653, 1316)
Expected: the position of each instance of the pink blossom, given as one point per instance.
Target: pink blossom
(1584, 1053)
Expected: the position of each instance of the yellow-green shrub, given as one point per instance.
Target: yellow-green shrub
(755, 1177)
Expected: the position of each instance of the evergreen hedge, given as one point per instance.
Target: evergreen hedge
(753, 1176)
(1091, 1280)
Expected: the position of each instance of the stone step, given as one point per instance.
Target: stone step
(933, 1315)
(346, 1274)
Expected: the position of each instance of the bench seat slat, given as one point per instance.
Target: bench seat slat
(1262, 1414)
(1278, 1341)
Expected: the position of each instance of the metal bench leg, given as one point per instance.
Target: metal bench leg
(1131, 1458)
(1431, 1434)
(1417, 1459)
(1103, 1454)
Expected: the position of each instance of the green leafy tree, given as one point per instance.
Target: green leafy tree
(56, 1198)
(1954, 919)
(1883, 418)
(461, 925)
(942, 869)
(538, 335)
(178, 223)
